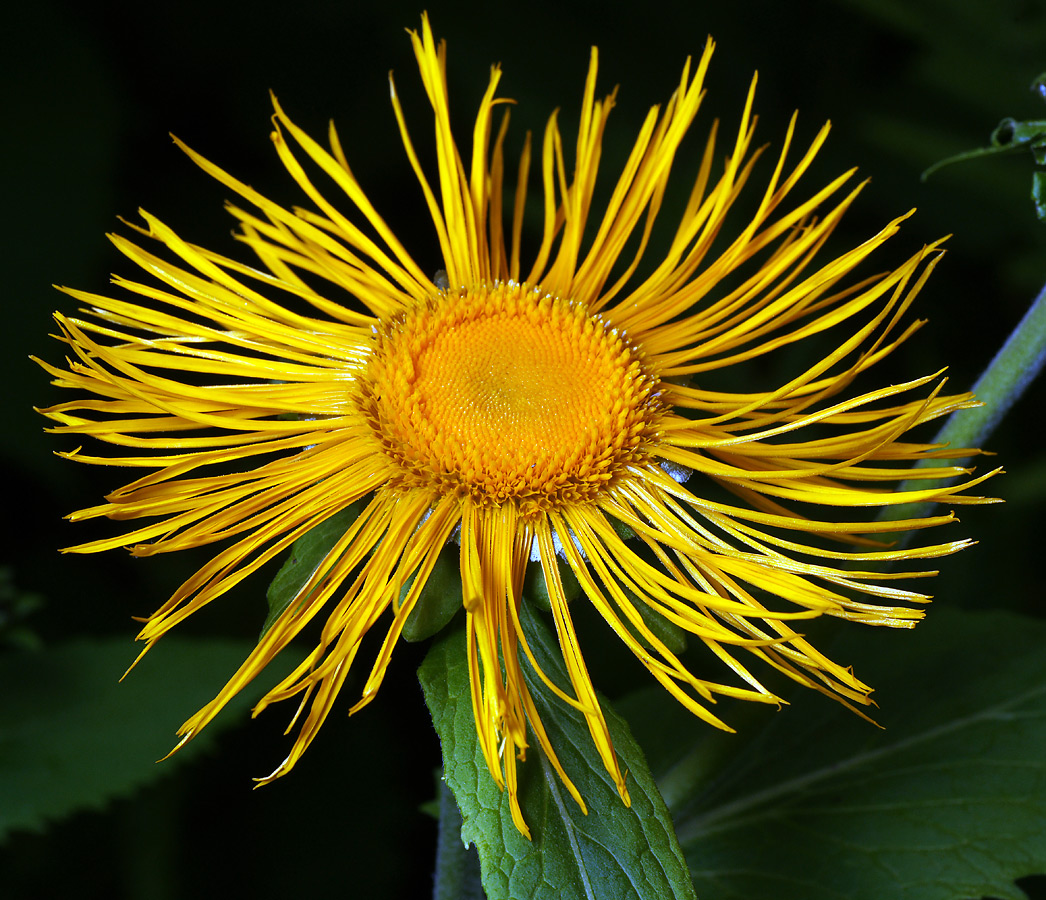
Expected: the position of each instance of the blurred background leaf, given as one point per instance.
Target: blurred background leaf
(944, 801)
(72, 737)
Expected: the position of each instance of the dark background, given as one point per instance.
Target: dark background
(90, 94)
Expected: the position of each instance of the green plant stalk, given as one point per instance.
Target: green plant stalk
(457, 866)
(1002, 383)
(1014, 367)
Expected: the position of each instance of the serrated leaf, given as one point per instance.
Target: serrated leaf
(72, 736)
(947, 801)
(614, 852)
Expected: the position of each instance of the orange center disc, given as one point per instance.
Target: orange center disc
(506, 393)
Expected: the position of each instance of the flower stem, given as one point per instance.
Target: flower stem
(1014, 367)
(457, 866)
(1002, 383)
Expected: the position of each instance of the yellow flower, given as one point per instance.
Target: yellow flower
(535, 411)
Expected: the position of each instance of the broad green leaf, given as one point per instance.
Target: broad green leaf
(670, 634)
(72, 736)
(614, 852)
(440, 597)
(16, 608)
(306, 554)
(536, 591)
(947, 801)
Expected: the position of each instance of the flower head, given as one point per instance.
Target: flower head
(528, 410)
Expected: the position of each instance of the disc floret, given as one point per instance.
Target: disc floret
(507, 393)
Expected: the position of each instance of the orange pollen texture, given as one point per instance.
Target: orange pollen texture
(508, 394)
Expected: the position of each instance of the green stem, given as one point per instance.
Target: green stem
(1014, 367)
(457, 866)
(1001, 385)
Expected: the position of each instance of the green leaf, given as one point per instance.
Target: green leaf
(16, 608)
(535, 590)
(306, 554)
(670, 634)
(440, 598)
(614, 852)
(945, 802)
(72, 736)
